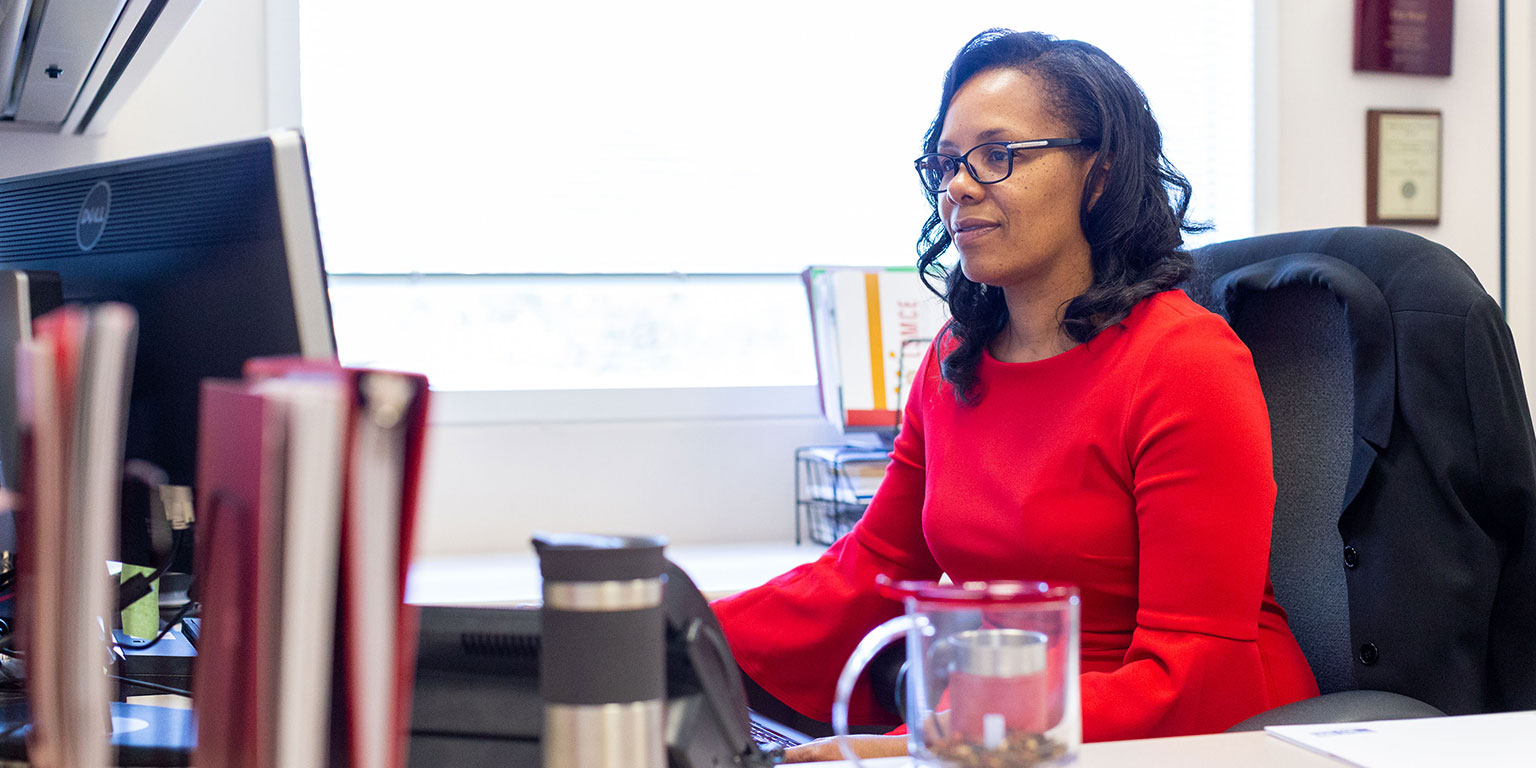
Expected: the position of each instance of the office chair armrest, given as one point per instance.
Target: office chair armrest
(1341, 707)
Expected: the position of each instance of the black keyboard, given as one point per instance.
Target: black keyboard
(769, 738)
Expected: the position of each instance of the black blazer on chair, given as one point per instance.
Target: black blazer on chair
(1439, 515)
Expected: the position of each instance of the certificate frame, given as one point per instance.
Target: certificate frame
(1403, 149)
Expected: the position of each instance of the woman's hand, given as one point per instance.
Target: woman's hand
(865, 746)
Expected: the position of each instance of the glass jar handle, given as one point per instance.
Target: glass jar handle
(878, 638)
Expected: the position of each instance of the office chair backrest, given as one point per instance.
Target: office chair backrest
(1300, 342)
(1437, 518)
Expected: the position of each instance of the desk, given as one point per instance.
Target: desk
(726, 568)
(1254, 749)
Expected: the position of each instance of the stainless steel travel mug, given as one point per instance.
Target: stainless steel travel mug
(602, 658)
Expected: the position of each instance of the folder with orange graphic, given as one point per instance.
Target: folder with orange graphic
(871, 327)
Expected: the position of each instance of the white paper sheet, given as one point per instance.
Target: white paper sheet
(1485, 741)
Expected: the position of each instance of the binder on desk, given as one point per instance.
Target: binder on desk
(240, 446)
(270, 475)
(871, 326)
(72, 385)
(353, 541)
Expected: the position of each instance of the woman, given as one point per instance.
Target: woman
(1079, 420)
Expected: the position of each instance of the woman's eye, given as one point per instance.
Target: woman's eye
(997, 156)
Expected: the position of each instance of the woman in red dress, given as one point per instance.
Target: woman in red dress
(1079, 420)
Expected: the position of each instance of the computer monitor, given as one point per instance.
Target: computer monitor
(217, 250)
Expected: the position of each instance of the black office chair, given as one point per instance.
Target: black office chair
(1404, 545)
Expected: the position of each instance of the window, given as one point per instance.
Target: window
(621, 194)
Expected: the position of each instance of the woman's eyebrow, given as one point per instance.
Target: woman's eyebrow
(989, 135)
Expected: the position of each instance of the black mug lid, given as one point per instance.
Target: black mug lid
(597, 557)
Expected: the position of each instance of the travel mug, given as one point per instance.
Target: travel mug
(602, 657)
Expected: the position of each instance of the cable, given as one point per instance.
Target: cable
(139, 586)
(151, 686)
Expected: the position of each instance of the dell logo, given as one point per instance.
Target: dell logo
(93, 216)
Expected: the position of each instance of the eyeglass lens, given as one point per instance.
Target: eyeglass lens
(987, 164)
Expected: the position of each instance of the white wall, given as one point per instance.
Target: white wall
(1311, 126)
(1520, 35)
(488, 486)
(1312, 107)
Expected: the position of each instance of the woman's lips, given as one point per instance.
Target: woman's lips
(968, 233)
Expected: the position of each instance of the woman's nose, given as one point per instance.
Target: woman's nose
(963, 187)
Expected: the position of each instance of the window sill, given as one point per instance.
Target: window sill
(465, 407)
(719, 570)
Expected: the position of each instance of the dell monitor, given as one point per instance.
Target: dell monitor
(216, 249)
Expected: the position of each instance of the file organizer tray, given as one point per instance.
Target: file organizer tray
(833, 486)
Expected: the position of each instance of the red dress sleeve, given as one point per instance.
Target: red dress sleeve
(793, 635)
(1197, 433)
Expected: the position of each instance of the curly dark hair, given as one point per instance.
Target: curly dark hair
(1134, 230)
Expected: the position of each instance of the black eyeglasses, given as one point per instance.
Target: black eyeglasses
(993, 165)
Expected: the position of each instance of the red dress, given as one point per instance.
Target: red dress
(1136, 466)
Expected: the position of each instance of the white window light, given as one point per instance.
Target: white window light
(461, 152)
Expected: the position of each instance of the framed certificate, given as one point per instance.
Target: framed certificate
(1402, 166)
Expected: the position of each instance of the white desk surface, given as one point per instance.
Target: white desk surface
(513, 579)
(723, 569)
(1250, 750)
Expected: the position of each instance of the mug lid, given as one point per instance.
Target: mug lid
(976, 592)
(593, 557)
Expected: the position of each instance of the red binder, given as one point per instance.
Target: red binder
(376, 630)
(239, 470)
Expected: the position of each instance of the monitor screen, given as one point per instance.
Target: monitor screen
(217, 250)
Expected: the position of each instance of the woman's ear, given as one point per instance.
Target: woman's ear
(1098, 174)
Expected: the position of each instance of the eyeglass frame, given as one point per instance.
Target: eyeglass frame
(1011, 146)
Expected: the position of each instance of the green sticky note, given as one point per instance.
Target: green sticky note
(142, 617)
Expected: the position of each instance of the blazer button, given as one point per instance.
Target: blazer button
(1369, 654)
(1351, 557)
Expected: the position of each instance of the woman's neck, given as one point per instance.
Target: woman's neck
(1034, 329)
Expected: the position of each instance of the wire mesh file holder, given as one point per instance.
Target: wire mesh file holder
(833, 486)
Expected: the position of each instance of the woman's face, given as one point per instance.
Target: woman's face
(1023, 232)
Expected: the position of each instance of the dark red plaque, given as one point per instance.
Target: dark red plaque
(1409, 36)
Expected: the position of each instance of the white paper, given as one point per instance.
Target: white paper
(1485, 741)
(1408, 176)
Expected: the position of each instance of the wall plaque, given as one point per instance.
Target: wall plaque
(1408, 36)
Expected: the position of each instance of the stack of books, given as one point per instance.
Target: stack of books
(307, 477)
